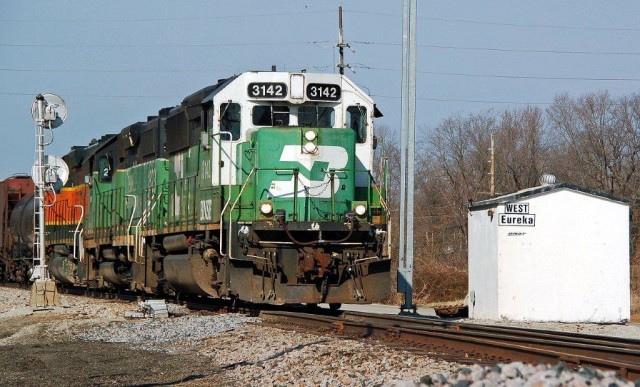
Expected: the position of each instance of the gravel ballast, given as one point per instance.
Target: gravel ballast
(239, 351)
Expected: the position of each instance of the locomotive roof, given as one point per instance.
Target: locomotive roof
(92, 149)
(219, 86)
(225, 82)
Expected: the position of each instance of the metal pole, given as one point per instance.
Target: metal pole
(44, 293)
(492, 189)
(340, 41)
(407, 146)
(40, 271)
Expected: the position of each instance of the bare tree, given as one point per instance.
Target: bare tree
(521, 149)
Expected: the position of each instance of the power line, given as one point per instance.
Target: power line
(355, 65)
(317, 43)
(97, 95)
(507, 76)
(109, 71)
(464, 100)
(313, 42)
(162, 19)
(467, 21)
(470, 48)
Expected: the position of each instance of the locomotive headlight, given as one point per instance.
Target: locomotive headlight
(360, 209)
(266, 208)
(310, 148)
(310, 135)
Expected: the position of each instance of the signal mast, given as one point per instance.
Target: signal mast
(48, 111)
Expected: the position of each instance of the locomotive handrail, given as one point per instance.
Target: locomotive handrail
(55, 198)
(232, 207)
(143, 218)
(133, 213)
(81, 245)
(221, 133)
(77, 232)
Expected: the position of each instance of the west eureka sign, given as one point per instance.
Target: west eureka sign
(516, 214)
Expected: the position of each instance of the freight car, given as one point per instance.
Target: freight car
(15, 231)
(260, 187)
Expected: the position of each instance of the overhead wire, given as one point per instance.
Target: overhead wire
(464, 100)
(164, 45)
(497, 49)
(164, 19)
(357, 66)
(467, 21)
(616, 79)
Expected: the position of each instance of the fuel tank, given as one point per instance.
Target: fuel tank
(116, 273)
(190, 273)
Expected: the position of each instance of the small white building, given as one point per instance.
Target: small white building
(551, 253)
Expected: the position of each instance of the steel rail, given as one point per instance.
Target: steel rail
(484, 345)
(611, 347)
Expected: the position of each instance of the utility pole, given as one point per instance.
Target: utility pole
(340, 41)
(492, 171)
(341, 44)
(407, 148)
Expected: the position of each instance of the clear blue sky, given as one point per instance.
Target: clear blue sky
(115, 62)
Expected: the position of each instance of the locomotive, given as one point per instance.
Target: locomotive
(260, 187)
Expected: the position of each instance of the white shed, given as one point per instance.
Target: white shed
(551, 253)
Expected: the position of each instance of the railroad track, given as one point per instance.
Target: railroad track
(446, 340)
(471, 343)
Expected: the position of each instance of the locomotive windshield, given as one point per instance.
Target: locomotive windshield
(316, 116)
(280, 115)
(270, 115)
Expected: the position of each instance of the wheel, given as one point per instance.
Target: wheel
(335, 306)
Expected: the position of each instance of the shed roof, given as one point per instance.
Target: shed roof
(529, 192)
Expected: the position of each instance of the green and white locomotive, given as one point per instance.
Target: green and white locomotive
(260, 187)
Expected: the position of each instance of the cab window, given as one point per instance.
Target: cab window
(357, 120)
(316, 116)
(230, 120)
(270, 115)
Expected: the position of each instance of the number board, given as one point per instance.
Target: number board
(323, 92)
(267, 90)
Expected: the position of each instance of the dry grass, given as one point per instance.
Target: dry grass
(439, 282)
(635, 291)
(635, 308)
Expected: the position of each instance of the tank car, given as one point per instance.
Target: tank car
(260, 187)
(16, 232)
